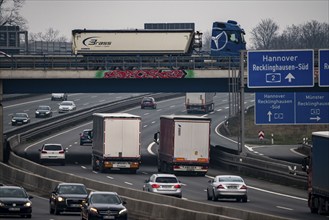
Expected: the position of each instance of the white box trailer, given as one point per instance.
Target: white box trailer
(184, 144)
(130, 42)
(199, 102)
(116, 141)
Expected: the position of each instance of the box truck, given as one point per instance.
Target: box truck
(116, 142)
(318, 173)
(184, 143)
(199, 102)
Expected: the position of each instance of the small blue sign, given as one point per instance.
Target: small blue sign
(292, 108)
(280, 68)
(274, 108)
(324, 67)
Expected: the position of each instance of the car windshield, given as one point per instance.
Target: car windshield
(72, 189)
(52, 147)
(166, 180)
(147, 100)
(66, 103)
(20, 115)
(230, 179)
(105, 199)
(12, 193)
(43, 108)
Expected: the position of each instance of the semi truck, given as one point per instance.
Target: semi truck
(116, 142)
(199, 102)
(184, 143)
(318, 173)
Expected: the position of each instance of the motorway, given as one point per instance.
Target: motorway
(263, 196)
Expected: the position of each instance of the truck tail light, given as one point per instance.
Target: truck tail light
(155, 186)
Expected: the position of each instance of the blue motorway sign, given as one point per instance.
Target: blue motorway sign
(292, 108)
(280, 68)
(324, 67)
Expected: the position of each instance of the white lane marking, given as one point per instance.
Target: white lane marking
(285, 208)
(109, 177)
(56, 135)
(94, 172)
(145, 173)
(103, 100)
(173, 106)
(149, 148)
(86, 103)
(267, 191)
(153, 122)
(159, 110)
(227, 107)
(294, 151)
(146, 113)
(83, 167)
(219, 110)
(144, 126)
(128, 183)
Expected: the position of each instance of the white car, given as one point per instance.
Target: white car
(66, 106)
(165, 184)
(52, 153)
(227, 186)
(58, 96)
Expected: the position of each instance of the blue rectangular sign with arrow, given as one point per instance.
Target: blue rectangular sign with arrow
(280, 68)
(324, 67)
(292, 108)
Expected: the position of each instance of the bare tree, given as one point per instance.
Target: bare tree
(264, 33)
(50, 35)
(10, 13)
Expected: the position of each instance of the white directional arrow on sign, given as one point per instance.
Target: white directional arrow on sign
(269, 113)
(317, 118)
(290, 77)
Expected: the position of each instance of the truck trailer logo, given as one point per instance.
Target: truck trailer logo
(220, 41)
(94, 41)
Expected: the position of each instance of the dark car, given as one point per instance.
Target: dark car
(103, 205)
(86, 136)
(14, 201)
(148, 102)
(20, 118)
(67, 197)
(43, 111)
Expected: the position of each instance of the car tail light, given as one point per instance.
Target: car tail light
(176, 167)
(177, 186)
(61, 152)
(155, 186)
(43, 152)
(243, 187)
(220, 186)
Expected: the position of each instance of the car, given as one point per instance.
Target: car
(14, 201)
(66, 106)
(165, 184)
(67, 197)
(148, 102)
(52, 152)
(103, 205)
(20, 119)
(227, 186)
(43, 111)
(86, 136)
(58, 96)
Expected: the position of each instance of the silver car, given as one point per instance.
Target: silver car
(66, 106)
(166, 184)
(227, 186)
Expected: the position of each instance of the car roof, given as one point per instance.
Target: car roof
(43, 106)
(103, 192)
(89, 129)
(71, 184)
(11, 187)
(164, 175)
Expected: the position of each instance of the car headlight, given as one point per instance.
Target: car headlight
(28, 204)
(37, 112)
(60, 199)
(25, 120)
(93, 210)
(2, 204)
(13, 120)
(47, 113)
(123, 211)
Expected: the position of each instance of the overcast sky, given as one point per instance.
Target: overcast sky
(65, 15)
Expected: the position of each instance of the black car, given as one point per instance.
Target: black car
(103, 205)
(43, 111)
(86, 136)
(14, 201)
(67, 197)
(20, 118)
(148, 102)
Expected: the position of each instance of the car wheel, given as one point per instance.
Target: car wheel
(57, 212)
(51, 210)
(81, 143)
(208, 196)
(214, 197)
(63, 163)
(245, 199)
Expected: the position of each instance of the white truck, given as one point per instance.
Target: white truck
(199, 102)
(184, 143)
(116, 142)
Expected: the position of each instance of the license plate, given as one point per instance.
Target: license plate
(166, 186)
(108, 217)
(121, 165)
(232, 187)
(75, 205)
(14, 209)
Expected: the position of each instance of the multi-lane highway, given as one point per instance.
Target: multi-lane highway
(263, 196)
